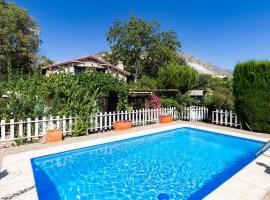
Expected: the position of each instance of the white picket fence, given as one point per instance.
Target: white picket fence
(225, 117)
(35, 129)
(194, 113)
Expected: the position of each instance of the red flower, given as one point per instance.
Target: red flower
(155, 101)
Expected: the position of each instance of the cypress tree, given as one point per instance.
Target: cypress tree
(252, 94)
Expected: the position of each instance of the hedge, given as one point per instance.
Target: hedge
(252, 94)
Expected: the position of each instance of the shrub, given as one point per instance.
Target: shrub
(171, 102)
(252, 94)
(185, 100)
(175, 76)
(144, 83)
(221, 98)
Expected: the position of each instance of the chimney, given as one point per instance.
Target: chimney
(120, 65)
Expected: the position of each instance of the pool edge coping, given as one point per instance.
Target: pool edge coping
(26, 178)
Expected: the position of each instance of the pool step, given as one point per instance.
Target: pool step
(263, 148)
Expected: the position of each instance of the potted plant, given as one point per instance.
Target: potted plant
(53, 134)
(165, 118)
(122, 125)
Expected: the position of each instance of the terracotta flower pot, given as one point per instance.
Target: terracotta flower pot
(165, 119)
(122, 125)
(54, 135)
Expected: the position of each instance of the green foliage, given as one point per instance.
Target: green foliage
(171, 102)
(219, 92)
(60, 94)
(208, 82)
(221, 98)
(185, 100)
(175, 76)
(144, 83)
(19, 40)
(80, 126)
(252, 94)
(204, 80)
(141, 46)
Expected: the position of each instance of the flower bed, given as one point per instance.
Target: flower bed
(122, 125)
(165, 119)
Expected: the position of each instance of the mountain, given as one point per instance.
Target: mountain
(199, 65)
(203, 67)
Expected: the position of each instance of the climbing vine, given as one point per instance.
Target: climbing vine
(60, 94)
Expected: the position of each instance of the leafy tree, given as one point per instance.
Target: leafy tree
(175, 76)
(252, 94)
(141, 46)
(41, 61)
(19, 39)
(207, 82)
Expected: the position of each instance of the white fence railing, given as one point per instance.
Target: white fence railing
(30, 129)
(225, 117)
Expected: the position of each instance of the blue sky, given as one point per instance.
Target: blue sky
(222, 32)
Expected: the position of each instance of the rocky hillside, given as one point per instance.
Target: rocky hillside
(204, 67)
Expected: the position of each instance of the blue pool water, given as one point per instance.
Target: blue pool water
(183, 163)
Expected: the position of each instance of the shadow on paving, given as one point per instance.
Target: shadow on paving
(3, 174)
(267, 168)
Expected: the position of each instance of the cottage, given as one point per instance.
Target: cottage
(87, 62)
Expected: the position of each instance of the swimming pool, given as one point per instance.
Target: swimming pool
(184, 163)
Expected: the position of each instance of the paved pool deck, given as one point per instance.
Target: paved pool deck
(17, 182)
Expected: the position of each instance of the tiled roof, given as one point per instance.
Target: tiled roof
(84, 58)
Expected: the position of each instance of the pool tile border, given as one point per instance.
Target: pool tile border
(252, 182)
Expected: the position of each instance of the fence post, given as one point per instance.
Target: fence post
(213, 114)
(143, 116)
(113, 117)
(190, 113)
(70, 124)
(118, 115)
(152, 115)
(217, 113)
(129, 116)
(51, 122)
(3, 132)
(148, 116)
(221, 117)
(231, 118)
(96, 122)
(100, 121)
(36, 128)
(44, 126)
(28, 129)
(105, 121)
(64, 125)
(235, 121)
(57, 122)
(11, 130)
(226, 117)
(126, 115)
(110, 120)
(140, 117)
(122, 115)
(133, 117)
